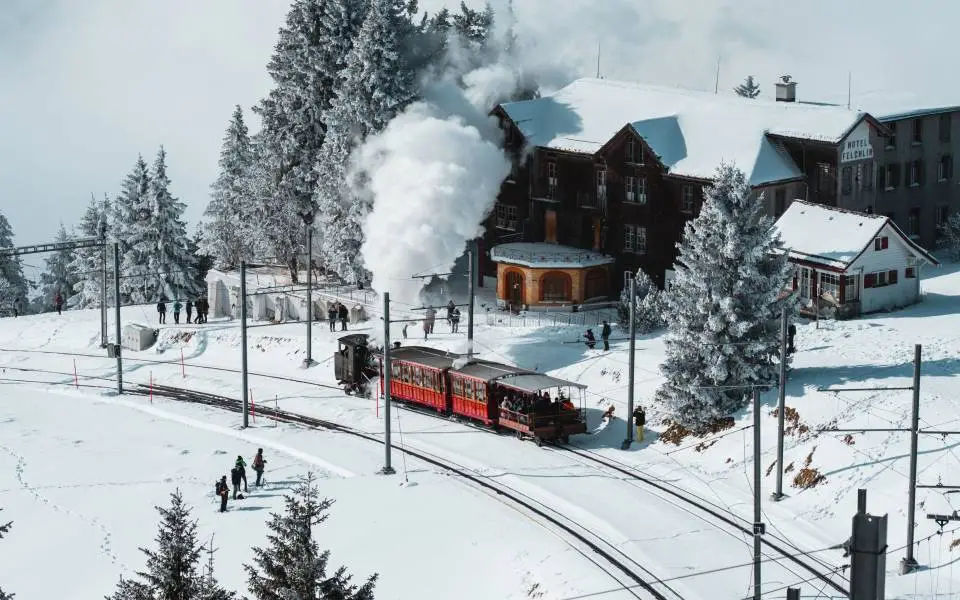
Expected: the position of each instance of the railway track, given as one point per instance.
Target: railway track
(653, 587)
(787, 551)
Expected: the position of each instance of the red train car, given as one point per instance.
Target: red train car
(471, 389)
(418, 375)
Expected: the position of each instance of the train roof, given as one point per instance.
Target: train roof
(429, 357)
(486, 370)
(354, 339)
(535, 382)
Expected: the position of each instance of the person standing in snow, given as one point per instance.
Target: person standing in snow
(162, 310)
(176, 312)
(16, 307)
(639, 420)
(242, 468)
(605, 335)
(223, 491)
(591, 340)
(189, 309)
(235, 479)
(332, 316)
(58, 303)
(454, 320)
(344, 315)
(259, 464)
(206, 308)
(431, 318)
(791, 333)
(450, 308)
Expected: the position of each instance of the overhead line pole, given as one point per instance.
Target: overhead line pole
(781, 403)
(909, 563)
(116, 303)
(631, 373)
(387, 381)
(471, 275)
(243, 343)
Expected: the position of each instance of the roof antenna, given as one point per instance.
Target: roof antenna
(849, 87)
(598, 59)
(716, 82)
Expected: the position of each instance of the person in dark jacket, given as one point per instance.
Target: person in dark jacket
(791, 333)
(259, 464)
(639, 420)
(344, 315)
(162, 309)
(176, 312)
(591, 339)
(450, 308)
(455, 320)
(189, 308)
(58, 303)
(204, 308)
(235, 478)
(605, 335)
(223, 491)
(332, 316)
(241, 466)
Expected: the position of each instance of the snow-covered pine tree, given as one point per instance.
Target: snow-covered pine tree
(376, 84)
(195, 245)
(133, 219)
(723, 307)
(13, 285)
(228, 215)
(173, 569)
(86, 267)
(209, 587)
(650, 305)
(170, 259)
(951, 235)
(474, 26)
(57, 279)
(5, 529)
(748, 89)
(293, 567)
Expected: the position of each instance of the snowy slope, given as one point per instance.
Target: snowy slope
(873, 351)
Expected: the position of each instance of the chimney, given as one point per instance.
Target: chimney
(786, 89)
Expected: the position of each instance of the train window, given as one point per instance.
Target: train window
(457, 386)
(395, 370)
(440, 383)
(418, 376)
(435, 381)
(405, 376)
(481, 394)
(468, 392)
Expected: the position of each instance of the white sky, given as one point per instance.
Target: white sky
(87, 85)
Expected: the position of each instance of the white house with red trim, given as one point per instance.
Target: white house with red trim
(852, 263)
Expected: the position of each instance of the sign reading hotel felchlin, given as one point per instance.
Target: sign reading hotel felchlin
(857, 147)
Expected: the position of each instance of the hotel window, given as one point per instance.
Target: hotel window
(945, 168)
(867, 180)
(892, 140)
(915, 173)
(946, 124)
(630, 188)
(631, 150)
(551, 179)
(635, 239)
(830, 284)
(686, 199)
(892, 176)
(601, 183)
(779, 202)
(913, 221)
(507, 217)
(846, 181)
(918, 131)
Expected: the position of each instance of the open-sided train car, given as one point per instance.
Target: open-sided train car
(527, 407)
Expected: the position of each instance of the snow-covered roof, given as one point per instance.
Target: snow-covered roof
(888, 107)
(544, 255)
(534, 382)
(833, 236)
(691, 131)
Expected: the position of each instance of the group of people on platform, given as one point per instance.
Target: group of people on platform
(238, 475)
(201, 305)
(537, 403)
(338, 311)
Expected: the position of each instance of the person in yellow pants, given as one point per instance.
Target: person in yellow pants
(639, 419)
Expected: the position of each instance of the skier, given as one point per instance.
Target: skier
(242, 468)
(58, 302)
(605, 336)
(259, 463)
(344, 315)
(639, 420)
(222, 490)
(332, 316)
(189, 309)
(235, 478)
(454, 320)
(591, 340)
(162, 310)
(176, 312)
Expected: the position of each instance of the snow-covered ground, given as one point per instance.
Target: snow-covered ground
(441, 538)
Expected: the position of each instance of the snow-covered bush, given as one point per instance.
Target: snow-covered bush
(650, 305)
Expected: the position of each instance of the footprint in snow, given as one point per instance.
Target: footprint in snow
(182, 452)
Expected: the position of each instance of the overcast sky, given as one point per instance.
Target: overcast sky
(86, 85)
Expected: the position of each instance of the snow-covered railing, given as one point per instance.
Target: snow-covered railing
(572, 258)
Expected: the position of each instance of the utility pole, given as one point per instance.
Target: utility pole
(103, 285)
(758, 527)
(387, 380)
(471, 293)
(116, 303)
(633, 357)
(308, 223)
(868, 553)
(909, 563)
(243, 343)
(782, 402)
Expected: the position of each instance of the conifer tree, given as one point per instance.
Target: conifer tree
(724, 305)
(86, 264)
(58, 278)
(133, 216)
(748, 89)
(172, 263)
(292, 566)
(227, 230)
(209, 588)
(5, 529)
(650, 306)
(13, 285)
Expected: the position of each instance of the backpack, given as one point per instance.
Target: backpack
(218, 487)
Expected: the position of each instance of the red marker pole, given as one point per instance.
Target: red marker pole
(76, 379)
(253, 412)
(183, 369)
